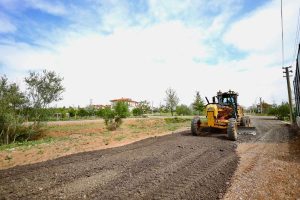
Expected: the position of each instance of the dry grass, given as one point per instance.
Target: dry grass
(64, 139)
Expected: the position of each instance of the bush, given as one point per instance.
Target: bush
(112, 121)
(82, 112)
(281, 112)
(137, 112)
(183, 110)
(121, 109)
(72, 112)
(113, 117)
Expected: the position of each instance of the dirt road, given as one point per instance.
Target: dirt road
(176, 166)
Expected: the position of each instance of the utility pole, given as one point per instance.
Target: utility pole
(286, 73)
(261, 108)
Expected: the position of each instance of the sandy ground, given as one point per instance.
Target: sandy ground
(91, 136)
(269, 166)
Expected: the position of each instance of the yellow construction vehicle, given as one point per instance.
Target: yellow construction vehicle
(225, 113)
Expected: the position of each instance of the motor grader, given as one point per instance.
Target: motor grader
(222, 113)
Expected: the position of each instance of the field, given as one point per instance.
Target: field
(69, 137)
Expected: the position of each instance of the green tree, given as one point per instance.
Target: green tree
(280, 111)
(121, 109)
(72, 112)
(12, 102)
(144, 106)
(82, 112)
(43, 89)
(113, 117)
(108, 115)
(183, 110)
(198, 104)
(283, 111)
(137, 112)
(171, 100)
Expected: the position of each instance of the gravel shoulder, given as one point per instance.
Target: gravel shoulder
(269, 166)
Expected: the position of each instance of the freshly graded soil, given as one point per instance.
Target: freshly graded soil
(175, 166)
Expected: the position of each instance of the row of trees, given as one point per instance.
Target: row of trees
(15, 105)
(172, 101)
(171, 106)
(44, 88)
(281, 111)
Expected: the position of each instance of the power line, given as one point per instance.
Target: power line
(296, 38)
(282, 45)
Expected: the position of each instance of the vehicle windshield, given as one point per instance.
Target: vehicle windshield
(227, 100)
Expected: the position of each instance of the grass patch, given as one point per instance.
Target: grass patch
(72, 128)
(120, 137)
(106, 134)
(40, 152)
(28, 144)
(106, 141)
(66, 148)
(177, 120)
(92, 134)
(172, 127)
(8, 157)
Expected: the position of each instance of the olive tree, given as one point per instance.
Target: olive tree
(144, 106)
(171, 100)
(12, 101)
(113, 116)
(43, 89)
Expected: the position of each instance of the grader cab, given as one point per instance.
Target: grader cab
(222, 113)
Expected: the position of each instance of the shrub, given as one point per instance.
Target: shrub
(183, 110)
(281, 111)
(113, 117)
(121, 109)
(82, 112)
(137, 112)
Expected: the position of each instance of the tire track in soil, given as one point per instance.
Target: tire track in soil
(154, 175)
(262, 173)
(176, 166)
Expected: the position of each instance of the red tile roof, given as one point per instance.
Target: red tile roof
(123, 99)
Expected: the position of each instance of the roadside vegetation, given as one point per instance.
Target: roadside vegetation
(64, 139)
(280, 111)
(18, 106)
(24, 114)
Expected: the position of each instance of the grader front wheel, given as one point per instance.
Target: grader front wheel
(196, 126)
(232, 129)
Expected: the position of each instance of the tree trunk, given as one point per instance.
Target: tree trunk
(7, 135)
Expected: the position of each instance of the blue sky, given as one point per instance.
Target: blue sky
(109, 49)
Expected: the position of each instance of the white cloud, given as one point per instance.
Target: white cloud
(51, 8)
(260, 31)
(141, 62)
(6, 26)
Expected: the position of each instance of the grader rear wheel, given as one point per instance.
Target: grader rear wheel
(196, 126)
(232, 129)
